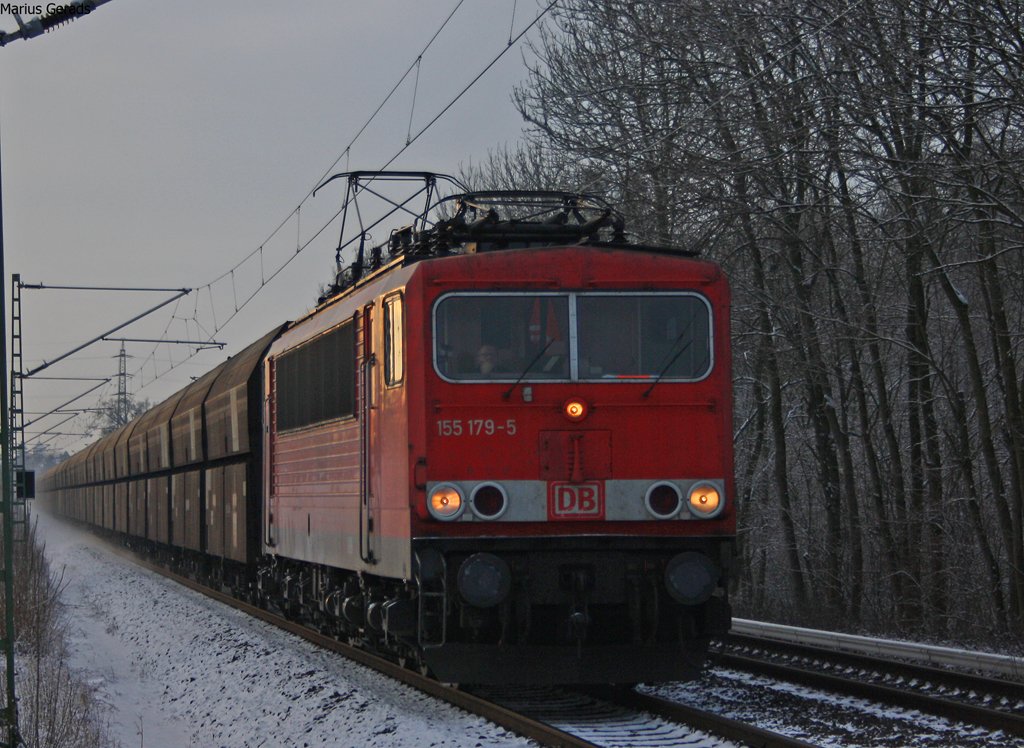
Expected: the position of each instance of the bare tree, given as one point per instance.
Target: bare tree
(112, 414)
(858, 170)
(56, 708)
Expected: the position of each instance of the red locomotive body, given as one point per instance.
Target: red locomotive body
(501, 464)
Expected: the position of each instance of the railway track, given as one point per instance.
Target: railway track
(886, 671)
(616, 717)
(595, 718)
(623, 718)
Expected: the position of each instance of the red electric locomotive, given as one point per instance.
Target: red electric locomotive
(501, 449)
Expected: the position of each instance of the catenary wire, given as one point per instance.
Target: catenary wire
(267, 279)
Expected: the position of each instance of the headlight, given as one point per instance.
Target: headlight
(705, 500)
(575, 409)
(691, 578)
(445, 502)
(488, 501)
(663, 500)
(484, 580)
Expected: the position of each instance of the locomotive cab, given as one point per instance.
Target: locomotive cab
(574, 517)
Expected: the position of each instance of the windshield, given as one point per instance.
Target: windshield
(496, 337)
(572, 337)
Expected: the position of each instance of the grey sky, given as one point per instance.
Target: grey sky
(158, 143)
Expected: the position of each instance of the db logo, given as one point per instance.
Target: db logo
(576, 500)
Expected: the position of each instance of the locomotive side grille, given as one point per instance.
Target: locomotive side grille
(315, 382)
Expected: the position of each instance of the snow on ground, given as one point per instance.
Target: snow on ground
(178, 669)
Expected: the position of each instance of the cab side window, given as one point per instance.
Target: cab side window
(394, 350)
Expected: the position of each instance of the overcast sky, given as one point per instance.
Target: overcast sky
(159, 143)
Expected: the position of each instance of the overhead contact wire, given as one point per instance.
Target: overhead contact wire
(419, 134)
(265, 280)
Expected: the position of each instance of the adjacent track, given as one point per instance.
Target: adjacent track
(883, 671)
(1007, 667)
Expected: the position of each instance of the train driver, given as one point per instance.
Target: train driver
(486, 359)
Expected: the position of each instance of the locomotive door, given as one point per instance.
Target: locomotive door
(365, 360)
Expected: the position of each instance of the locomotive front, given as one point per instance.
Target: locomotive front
(572, 466)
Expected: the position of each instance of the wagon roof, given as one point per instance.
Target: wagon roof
(237, 369)
(158, 414)
(194, 395)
